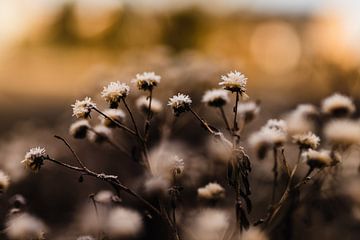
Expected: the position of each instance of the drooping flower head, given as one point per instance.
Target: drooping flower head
(215, 98)
(146, 80)
(180, 103)
(82, 109)
(142, 103)
(99, 134)
(319, 159)
(117, 115)
(114, 92)
(212, 191)
(307, 140)
(248, 110)
(234, 82)
(34, 158)
(79, 128)
(338, 105)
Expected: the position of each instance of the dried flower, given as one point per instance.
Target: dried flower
(317, 159)
(343, 132)
(124, 223)
(276, 124)
(216, 98)
(157, 185)
(178, 165)
(307, 140)
(212, 191)
(301, 120)
(4, 182)
(79, 128)
(114, 92)
(248, 110)
(234, 82)
(267, 138)
(338, 105)
(104, 197)
(117, 115)
(82, 109)
(25, 226)
(142, 103)
(253, 233)
(34, 158)
(146, 80)
(99, 134)
(87, 237)
(209, 224)
(180, 103)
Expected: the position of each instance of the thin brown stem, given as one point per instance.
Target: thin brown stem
(223, 115)
(275, 172)
(118, 124)
(235, 128)
(148, 118)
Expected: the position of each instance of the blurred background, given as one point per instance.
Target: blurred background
(53, 52)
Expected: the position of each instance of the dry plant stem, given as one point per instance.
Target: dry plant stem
(203, 123)
(235, 128)
(118, 124)
(275, 171)
(139, 137)
(223, 115)
(148, 118)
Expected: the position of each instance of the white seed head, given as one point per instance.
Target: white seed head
(157, 185)
(317, 159)
(209, 224)
(82, 109)
(212, 191)
(276, 124)
(142, 103)
(115, 114)
(104, 197)
(25, 226)
(79, 128)
(234, 82)
(4, 182)
(254, 233)
(216, 97)
(87, 237)
(343, 132)
(180, 103)
(306, 140)
(146, 80)
(99, 134)
(248, 110)
(338, 105)
(306, 110)
(34, 158)
(114, 92)
(179, 165)
(124, 223)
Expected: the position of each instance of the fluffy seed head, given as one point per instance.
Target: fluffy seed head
(4, 182)
(248, 110)
(115, 114)
(82, 109)
(234, 82)
(306, 140)
(157, 185)
(142, 103)
(212, 191)
(124, 223)
(216, 98)
(180, 103)
(338, 105)
(79, 128)
(99, 134)
(104, 197)
(276, 124)
(25, 226)
(114, 92)
(343, 132)
(318, 159)
(87, 237)
(34, 158)
(146, 80)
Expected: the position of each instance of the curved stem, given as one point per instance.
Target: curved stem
(223, 115)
